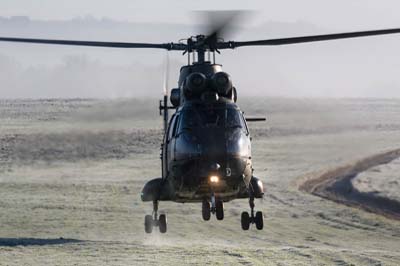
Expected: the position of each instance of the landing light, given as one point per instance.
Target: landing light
(214, 179)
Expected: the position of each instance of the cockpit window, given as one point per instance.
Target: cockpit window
(233, 119)
(211, 118)
(244, 124)
(188, 121)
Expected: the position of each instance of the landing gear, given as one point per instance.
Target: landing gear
(247, 219)
(216, 206)
(259, 220)
(151, 221)
(148, 224)
(219, 210)
(206, 210)
(162, 223)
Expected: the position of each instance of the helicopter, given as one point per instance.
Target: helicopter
(206, 148)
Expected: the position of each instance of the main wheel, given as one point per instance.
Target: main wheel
(148, 224)
(219, 208)
(206, 210)
(245, 219)
(162, 223)
(259, 220)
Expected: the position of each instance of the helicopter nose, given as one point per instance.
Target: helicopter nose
(213, 144)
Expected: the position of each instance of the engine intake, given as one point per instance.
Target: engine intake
(195, 84)
(175, 97)
(222, 83)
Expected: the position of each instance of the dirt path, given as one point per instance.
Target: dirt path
(336, 185)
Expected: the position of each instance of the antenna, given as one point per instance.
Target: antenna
(164, 105)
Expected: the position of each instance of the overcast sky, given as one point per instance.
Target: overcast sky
(345, 14)
(350, 68)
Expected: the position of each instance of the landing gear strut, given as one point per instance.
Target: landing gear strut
(151, 220)
(216, 206)
(247, 219)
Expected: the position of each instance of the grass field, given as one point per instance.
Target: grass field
(71, 172)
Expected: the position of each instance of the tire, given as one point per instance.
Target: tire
(162, 223)
(148, 224)
(259, 220)
(245, 219)
(206, 210)
(219, 206)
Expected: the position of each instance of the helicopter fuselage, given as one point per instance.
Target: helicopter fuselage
(207, 149)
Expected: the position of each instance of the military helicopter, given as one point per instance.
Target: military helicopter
(206, 149)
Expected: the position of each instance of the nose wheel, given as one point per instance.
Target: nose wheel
(247, 219)
(151, 221)
(215, 206)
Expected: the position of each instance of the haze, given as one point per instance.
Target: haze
(365, 67)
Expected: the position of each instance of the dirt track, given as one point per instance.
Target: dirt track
(336, 185)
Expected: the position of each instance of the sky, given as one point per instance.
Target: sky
(340, 14)
(351, 68)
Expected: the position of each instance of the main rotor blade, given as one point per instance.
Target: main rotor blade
(305, 39)
(219, 22)
(168, 46)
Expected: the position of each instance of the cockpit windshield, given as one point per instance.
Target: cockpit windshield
(211, 118)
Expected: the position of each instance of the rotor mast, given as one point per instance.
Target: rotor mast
(198, 46)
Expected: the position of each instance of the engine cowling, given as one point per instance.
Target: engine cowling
(232, 94)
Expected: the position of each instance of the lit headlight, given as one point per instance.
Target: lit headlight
(214, 179)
